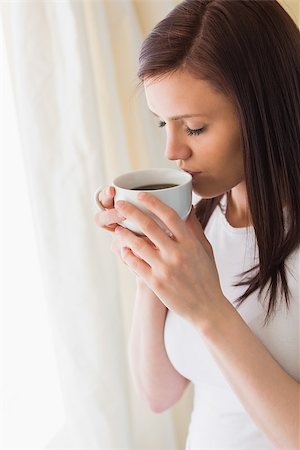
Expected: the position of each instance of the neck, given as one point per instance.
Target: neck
(237, 213)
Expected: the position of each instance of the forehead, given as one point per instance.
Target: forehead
(180, 93)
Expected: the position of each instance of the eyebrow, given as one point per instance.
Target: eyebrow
(184, 116)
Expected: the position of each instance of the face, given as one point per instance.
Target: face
(207, 140)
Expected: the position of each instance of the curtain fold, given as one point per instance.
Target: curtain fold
(82, 122)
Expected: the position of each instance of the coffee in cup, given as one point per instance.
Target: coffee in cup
(153, 187)
(171, 186)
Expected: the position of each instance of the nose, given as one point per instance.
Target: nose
(176, 148)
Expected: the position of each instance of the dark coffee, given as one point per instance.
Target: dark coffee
(153, 187)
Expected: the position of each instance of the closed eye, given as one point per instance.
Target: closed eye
(188, 130)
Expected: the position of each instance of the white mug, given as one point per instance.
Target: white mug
(178, 197)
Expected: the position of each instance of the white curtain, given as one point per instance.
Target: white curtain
(81, 122)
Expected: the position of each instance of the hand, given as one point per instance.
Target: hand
(108, 219)
(118, 249)
(180, 271)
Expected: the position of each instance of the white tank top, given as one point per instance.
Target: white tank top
(219, 420)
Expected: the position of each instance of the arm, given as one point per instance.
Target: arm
(154, 375)
(268, 393)
(184, 276)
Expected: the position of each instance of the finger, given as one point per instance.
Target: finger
(146, 223)
(138, 266)
(115, 245)
(108, 219)
(195, 226)
(115, 242)
(138, 246)
(106, 197)
(167, 215)
(148, 241)
(117, 249)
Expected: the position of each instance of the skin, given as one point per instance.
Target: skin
(216, 152)
(182, 271)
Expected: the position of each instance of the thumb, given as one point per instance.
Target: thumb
(195, 226)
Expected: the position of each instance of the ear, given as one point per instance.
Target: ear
(195, 226)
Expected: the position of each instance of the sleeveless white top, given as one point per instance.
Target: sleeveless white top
(219, 420)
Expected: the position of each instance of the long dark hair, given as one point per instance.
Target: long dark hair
(250, 51)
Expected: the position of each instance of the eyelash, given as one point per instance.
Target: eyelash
(188, 130)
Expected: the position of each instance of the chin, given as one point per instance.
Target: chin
(210, 187)
(207, 195)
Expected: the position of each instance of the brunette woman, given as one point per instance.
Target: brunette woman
(217, 304)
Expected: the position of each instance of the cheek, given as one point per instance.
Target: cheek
(228, 154)
(222, 165)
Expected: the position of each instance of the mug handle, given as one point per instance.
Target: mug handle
(97, 200)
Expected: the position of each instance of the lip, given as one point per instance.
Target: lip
(191, 173)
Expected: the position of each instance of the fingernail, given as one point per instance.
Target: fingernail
(107, 191)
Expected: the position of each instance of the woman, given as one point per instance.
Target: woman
(218, 304)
